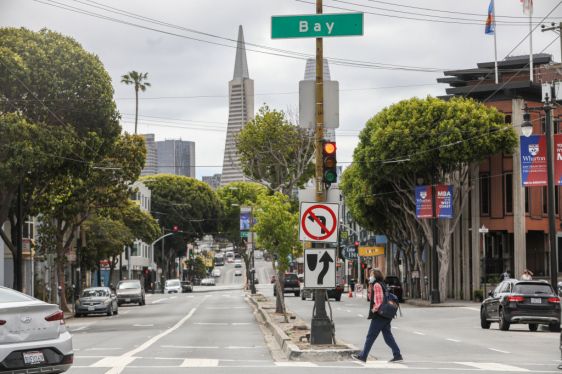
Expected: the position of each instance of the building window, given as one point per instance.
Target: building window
(508, 193)
(527, 200)
(484, 194)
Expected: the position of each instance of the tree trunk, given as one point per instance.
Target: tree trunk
(280, 302)
(62, 285)
(136, 107)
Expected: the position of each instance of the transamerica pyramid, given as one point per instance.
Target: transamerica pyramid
(240, 111)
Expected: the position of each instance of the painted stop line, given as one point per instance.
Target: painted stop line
(319, 222)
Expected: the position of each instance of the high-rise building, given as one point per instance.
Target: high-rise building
(240, 111)
(176, 157)
(214, 181)
(151, 164)
(310, 75)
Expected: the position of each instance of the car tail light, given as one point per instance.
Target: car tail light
(554, 300)
(2, 322)
(57, 316)
(517, 299)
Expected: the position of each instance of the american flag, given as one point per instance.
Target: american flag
(527, 6)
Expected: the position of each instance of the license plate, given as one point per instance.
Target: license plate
(536, 300)
(33, 358)
(127, 300)
(91, 308)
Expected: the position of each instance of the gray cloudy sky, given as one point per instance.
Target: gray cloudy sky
(188, 97)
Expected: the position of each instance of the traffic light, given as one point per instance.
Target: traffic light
(175, 228)
(329, 162)
(356, 245)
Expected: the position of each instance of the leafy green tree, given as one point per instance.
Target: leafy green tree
(278, 231)
(184, 202)
(427, 139)
(233, 196)
(275, 152)
(138, 80)
(143, 226)
(71, 200)
(64, 98)
(197, 268)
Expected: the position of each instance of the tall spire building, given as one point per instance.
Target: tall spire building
(240, 111)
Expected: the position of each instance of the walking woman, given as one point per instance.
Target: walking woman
(378, 324)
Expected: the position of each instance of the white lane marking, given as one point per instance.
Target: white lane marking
(199, 363)
(347, 310)
(188, 347)
(122, 361)
(240, 323)
(498, 350)
(453, 340)
(296, 364)
(102, 349)
(418, 333)
(113, 362)
(128, 311)
(471, 308)
(173, 297)
(225, 307)
(157, 301)
(384, 365)
(79, 328)
(147, 325)
(361, 316)
(492, 366)
(211, 323)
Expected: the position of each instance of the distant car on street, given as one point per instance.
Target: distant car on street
(216, 272)
(394, 286)
(291, 284)
(238, 273)
(238, 265)
(208, 282)
(130, 291)
(172, 286)
(186, 286)
(96, 300)
(33, 336)
(525, 302)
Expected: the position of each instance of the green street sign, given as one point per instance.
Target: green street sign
(316, 25)
(344, 234)
(244, 234)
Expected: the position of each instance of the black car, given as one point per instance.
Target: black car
(291, 284)
(526, 302)
(186, 287)
(394, 286)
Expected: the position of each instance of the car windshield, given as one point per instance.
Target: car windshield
(393, 281)
(532, 289)
(173, 282)
(95, 293)
(291, 277)
(128, 285)
(10, 296)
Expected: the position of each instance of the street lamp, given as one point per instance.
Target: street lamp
(527, 129)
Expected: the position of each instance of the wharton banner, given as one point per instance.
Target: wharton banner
(424, 208)
(444, 200)
(558, 159)
(533, 160)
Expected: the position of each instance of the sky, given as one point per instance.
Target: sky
(188, 49)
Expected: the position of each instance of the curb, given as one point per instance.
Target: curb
(427, 304)
(293, 352)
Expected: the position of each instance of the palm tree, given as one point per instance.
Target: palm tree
(139, 80)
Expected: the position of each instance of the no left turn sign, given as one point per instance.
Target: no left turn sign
(319, 222)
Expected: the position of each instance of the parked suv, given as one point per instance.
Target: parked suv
(527, 302)
(291, 284)
(394, 286)
(130, 291)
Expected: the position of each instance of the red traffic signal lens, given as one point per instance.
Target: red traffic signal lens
(356, 244)
(175, 228)
(329, 148)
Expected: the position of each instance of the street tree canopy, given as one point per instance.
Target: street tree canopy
(275, 152)
(428, 140)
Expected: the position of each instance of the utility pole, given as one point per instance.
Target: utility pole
(555, 28)
(18, 274)
(548, 106)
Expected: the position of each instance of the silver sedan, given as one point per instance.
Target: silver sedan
(33, 336)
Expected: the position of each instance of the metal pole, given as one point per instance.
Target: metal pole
(435, 297)
(18, 284)
(252, 260)
(551, 202)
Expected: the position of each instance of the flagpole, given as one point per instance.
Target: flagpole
(495, 44)
(531, 42)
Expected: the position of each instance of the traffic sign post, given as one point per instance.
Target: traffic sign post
(320, 268)
(317, 25)
(319, 222)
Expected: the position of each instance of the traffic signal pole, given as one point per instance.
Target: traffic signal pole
(321, 327)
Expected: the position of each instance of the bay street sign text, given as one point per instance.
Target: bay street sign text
(316, 25)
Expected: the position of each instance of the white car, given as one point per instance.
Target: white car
(238, 273)
(216, 272)
(33, 336)
(172, 286)
(208, 282)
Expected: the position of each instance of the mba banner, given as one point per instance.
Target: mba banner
(424, 208)
(533, 160)
(558, 159)
(444, 201)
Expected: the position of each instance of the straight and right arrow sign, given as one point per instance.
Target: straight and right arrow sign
(320, 268)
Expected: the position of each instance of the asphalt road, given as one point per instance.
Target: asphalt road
(214, 331)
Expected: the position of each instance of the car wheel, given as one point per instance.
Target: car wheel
(533, 326)
(338, 297)
(484, 323)
(554, 327)
(504, 323)
(77, 315)
(297, 294)
(110, 311)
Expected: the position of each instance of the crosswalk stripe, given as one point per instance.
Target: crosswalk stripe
(199, 363)
(492, 366)
(384, 365)
(296, 364)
